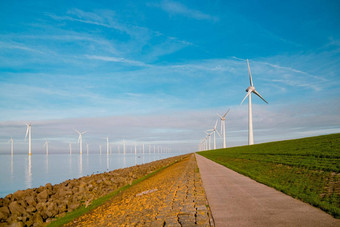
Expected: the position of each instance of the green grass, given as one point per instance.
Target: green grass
(82, 210)
(307, 169)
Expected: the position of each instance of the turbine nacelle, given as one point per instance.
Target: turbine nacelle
(250, 88)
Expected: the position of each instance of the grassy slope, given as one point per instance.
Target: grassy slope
(307, 169)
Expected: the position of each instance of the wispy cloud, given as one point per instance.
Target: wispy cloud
(116, 59)
(19, 46)
(173, 7)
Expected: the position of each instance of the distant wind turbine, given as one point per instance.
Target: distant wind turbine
(87, 148)
(100, 149)
(80, 140)
(209, 135)
(107, 145)
(214, 131)
(249, 90)
(70, 146)
(12, 146)
(29, 132)
(124, 147)
(46, 145)
(223, 127)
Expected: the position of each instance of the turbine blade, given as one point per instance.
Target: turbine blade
(218, 133)
(251, 80)
(256, 93)
(77, 131)
(245, 96)
(84, 132)
(215, 125)
(226, 112)
(26, 133)
(219, 116)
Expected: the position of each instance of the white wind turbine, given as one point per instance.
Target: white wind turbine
(46, 145)
(29, 132)
(222, 118)
(249, 90)
(12, 146)
(107, 146)
(80, 140)
(70, 146)
(214, 131)
(209, 136)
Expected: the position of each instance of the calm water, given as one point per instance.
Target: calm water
(23, 171)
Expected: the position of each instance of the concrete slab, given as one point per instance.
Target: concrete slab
(236, 200)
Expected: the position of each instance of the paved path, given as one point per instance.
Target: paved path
(236, 200)
(173, 197)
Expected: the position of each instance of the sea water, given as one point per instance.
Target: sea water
(21, 171)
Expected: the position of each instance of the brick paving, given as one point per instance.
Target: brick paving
(173, 197)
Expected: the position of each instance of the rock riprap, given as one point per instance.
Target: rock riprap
(172, 197)
(38, 206)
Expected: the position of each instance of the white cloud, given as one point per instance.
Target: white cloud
(115, 59)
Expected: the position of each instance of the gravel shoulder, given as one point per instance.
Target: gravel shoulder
(172, 197)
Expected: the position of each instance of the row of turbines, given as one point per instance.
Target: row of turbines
(205, 142)
(80, 141)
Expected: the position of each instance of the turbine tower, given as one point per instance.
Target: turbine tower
(214, 131)
(12, 146)
(107, 145)
(209, 136)
(249, 90)
(70, 146)
(80, 140)
(46, 145)
(223, 127)
(28, 131)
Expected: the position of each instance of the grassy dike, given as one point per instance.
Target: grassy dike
(307, 169)
(82, 210)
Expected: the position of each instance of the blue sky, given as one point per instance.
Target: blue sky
(157, 72)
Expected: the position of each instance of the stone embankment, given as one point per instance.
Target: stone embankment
(172, 197)
(38, 206)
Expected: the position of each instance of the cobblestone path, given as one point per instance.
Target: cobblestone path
(173, 197)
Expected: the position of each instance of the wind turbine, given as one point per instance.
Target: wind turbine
(107, 145)
(12, 146)
(223, 126)
(29, 131)
(70, 146)
(249, 90)
(80, 140)
(87, 148)
(213, 131)
(46, 145)
(209, 136)
(100, 149)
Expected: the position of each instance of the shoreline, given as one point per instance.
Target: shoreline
(39, 206)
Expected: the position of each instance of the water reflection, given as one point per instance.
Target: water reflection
(29, 173)
(46, 162)
(107, 162)
(12, 168)
(81, 165)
